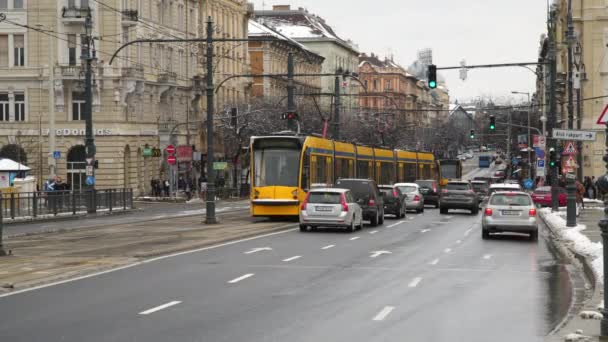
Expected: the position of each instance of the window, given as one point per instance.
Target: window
(4, 105)
(18, 4)
(19, 50)
(3, 4)
(388, 85)
(3, 50)
(375, 85)
(78, 102)
(180, 62)
(19, 107)
(72, 49)
(71, 3)
(363, 167)
(84, 3)
(169, 63)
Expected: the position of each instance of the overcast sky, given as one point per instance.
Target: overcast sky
(479, 31)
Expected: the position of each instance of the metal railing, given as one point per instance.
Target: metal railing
(53, 203)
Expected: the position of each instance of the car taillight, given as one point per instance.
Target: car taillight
(532, 212)
(445, 191)
(488, 212)
(372, 201)
(395, 193)
(434, 189)
(343, 202)
(303, 207)
(416, 198)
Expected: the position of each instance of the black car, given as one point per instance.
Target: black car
(368, 196)
(394, 200)
(430, 190)
(481, 188)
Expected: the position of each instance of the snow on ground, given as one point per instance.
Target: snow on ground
(577, 241)
(589, 200)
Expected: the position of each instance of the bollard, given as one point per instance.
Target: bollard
(2, 251)
(571, 209)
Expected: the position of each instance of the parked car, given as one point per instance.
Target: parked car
(481, 188)
(430, 191)
(368, 196)
(500, 174)
(512, 211)
(330, 207)
(394, 200)
(461, 157)
(414, 200)
(458, 195)
(543, 197)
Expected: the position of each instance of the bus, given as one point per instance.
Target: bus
(284, 168)
(485, 161)
(449, 169)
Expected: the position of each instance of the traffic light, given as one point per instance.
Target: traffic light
(472, 134)
(432, 75)
(552, 158)
(289, 116)
(492, 123)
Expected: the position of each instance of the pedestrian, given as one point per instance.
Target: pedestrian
(580, 191)
(153, 187)
(166, 188)
(203, 183)
(587, 185)
(594, 188)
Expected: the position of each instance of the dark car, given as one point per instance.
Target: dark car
(481, 188)
(368, 196)
(430, 190)
(394, 200)
(458, 195)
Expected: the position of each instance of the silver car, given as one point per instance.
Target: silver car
(510, 211)
(330, 207)
(414, 200)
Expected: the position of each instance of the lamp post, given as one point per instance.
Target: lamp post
(603, 185)
(528, 139)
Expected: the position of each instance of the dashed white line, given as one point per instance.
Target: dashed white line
(383, 313)
(160, 307)
(487, 256)
(395, 224)
(425, 230)
(434, 262)
(354, 238)
(411, 217)
(373, 232)
(447, 250)
(236, 280)
(292, 258)
(414, 282)
(468, 231)
(328, 246)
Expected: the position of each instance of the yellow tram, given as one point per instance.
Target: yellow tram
(283, 168)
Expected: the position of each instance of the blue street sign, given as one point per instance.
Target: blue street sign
(528, 183)
(540, 163)
(90, 180)
(540, 153)
(56, 154)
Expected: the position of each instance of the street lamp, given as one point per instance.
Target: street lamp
(529, 153)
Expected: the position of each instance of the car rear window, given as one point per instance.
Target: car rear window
(407, 188)
(324, 197)
(457, 186)
(426, 184)
(388, 192)
(480, 186)
(359, 189)
(512, 200)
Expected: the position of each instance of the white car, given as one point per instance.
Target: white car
(330, 207)
(414, 200)
(510, 211)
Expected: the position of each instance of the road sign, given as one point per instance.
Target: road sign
(170, 149)
(603, 119)
(89, 170)
(171, 160)
(570, 149)
(220, 165)
(90, 180)
(56, 154)
(570, 162)
(540, 163)
(571, 134)
(528, 183)
(89, 161)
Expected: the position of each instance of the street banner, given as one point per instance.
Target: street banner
(539, 141)
(184, 153)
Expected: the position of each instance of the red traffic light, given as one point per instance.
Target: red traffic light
(289, 116)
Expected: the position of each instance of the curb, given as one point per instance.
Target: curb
(70, 217)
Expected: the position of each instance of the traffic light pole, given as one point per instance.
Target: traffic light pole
(210, 193)
(291, 101)
(88, 116)
(337, 108)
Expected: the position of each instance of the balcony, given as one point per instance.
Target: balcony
(167, 77)
(136, 72)
(74, 15)
(129, 17)
(70, 72)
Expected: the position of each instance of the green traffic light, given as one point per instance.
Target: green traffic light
(552, 164)
(432, 84)
(492, 127)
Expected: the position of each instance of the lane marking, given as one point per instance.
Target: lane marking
(373, 232)
(487, 256)
(138, 263)
(243, 277)
(449, 217)
(425, 230)
(458, 241)
(468, 231)
(328, 246)
(160, 307)
(376, 253)
(447, 250)
(383, 313)
(395, 224)
(434, 262)
(415, 282)
(259, 249)
(354, 238)
(292, 258)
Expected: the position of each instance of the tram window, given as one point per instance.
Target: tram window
(410, 172)
(342, 169)
(321, 170)
(426, 172)
(363, 169)
(386, 173)
(305, 170)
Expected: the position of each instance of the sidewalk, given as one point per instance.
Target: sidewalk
(50, 257)
(582, 244)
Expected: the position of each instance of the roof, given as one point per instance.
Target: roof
(386, 65)
(256, 29)
(10, 165)
(456, 107)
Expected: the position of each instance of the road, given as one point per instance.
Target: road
(428, 277)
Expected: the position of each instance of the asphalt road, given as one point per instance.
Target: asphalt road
(428, 277)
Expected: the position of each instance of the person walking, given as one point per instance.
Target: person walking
(593, 188)
(580, 192)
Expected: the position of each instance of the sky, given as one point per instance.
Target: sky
(478, 31)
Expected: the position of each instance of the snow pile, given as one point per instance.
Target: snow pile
(589, 200)
(195, 200)
(577, 241)
(577, 337)
(591, 315)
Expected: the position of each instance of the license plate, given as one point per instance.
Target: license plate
(510, 212)
(323, 208)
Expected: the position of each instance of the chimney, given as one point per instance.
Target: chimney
(281, 7)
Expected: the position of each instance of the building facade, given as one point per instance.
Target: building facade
(141, 102)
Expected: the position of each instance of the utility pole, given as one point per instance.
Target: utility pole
(553, 105)
(337, 108)
(52, 145)
(509, 158)
(570, 186)
(88, 56)
(291, 89)
(210, 200)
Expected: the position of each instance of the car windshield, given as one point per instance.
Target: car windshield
(510, 200)
(359, 189)
(458, 186)
(276, 167)
(407, 188)
(324, 197)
